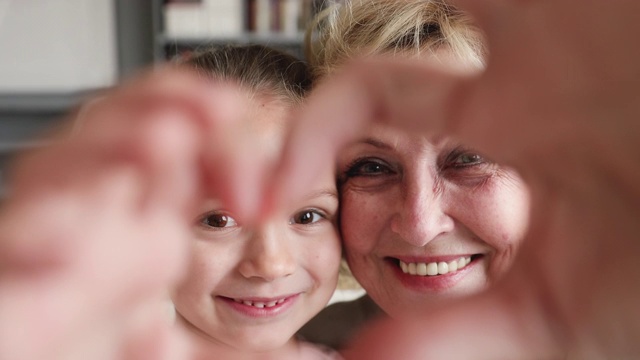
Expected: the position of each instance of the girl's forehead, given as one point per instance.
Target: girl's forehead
(264, 123)
(267, 113)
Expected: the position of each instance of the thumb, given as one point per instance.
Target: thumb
(496, 325)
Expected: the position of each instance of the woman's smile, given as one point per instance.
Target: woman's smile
(434, 268)
(425, 218)
(434, 276)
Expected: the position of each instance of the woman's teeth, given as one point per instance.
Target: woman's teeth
(434, 268)
(259, 304)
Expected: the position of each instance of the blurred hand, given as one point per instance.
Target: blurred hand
(96, 227)
(560, 102)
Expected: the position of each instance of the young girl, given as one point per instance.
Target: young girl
(248, 290)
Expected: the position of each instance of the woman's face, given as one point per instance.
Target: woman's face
(426, 219)
(251, 289)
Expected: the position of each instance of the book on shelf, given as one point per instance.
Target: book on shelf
(203, 18)
(232, 18)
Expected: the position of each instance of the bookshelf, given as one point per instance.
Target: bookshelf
(23, 119)
(181, 26)
(141, 39)
(28, 113)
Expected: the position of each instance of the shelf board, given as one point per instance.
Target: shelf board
(276, 39)
(38, 103)
(7, 148)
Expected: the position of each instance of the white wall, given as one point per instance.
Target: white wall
(57, 45)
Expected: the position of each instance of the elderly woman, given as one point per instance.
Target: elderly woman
(423, 218)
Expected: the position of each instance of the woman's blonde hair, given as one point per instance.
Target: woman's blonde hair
(410, 27)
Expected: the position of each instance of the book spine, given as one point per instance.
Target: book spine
(291, 12)
(263, 16)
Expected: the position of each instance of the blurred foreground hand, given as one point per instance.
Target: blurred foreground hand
(560, 102)
(96, 227)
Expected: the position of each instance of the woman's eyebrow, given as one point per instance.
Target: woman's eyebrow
(376, 143)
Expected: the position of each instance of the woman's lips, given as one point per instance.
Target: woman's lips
(434, 268)
(433, 275)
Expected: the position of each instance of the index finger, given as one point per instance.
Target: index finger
(410, 95)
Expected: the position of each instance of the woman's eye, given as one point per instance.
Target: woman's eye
(218, 220)
(368, 167)
(306, 217)
(467, 159)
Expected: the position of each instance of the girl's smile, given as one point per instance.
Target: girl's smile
(260, 307)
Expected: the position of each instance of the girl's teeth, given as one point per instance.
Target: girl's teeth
(434, 268)
(259, 305)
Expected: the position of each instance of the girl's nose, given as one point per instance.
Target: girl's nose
(268, 255)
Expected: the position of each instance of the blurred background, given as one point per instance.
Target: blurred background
(54, 53)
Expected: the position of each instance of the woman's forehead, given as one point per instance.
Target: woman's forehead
(387, 136)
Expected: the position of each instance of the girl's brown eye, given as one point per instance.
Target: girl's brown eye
(306, 217)
(218, 221)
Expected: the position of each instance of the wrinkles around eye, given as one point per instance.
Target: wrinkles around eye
(368, 174)
(368, 167)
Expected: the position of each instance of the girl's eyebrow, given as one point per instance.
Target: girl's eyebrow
(327, 192)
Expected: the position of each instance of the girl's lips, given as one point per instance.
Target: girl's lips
(260, 307)
(261, 302)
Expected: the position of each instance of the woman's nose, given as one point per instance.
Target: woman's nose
(267, 256)
(422, 216)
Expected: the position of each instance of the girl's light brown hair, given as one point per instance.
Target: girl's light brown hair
(257, 68)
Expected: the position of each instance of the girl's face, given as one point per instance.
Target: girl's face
(426, 219)
(251, 289)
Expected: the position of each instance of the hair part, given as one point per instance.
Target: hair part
(406, 27)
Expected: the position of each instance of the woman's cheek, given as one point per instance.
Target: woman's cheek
(504, 210)
(362, 220)
(513, 199)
